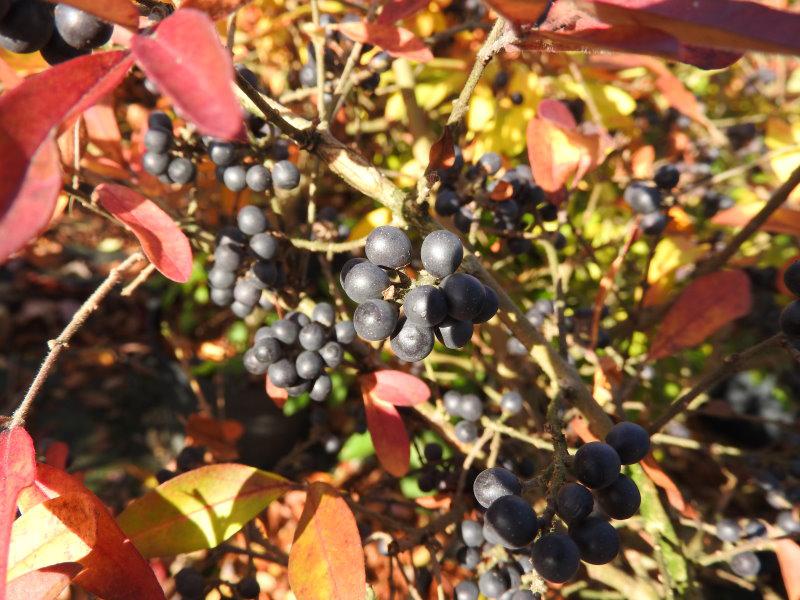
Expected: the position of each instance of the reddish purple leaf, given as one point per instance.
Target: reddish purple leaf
(17, 471)
(389, 435)
(35, 201)
(395, 40)
(395, 387)
(185, 59)
(162, 240)
(394, 10)
(30, 111)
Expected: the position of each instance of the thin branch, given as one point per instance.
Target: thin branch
(62, 341)
(324, 247)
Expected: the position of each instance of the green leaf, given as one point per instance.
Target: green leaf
(199, 509)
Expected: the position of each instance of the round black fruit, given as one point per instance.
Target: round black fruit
(596, 465)
(556, 557)
(80, 29)
(425, 306)
(365, 281)
(621, 499)
(465, 296)
(596, 539)
(514, 521)
(375, 320)
(495, 483)
(412, 342)
(631, 441)
(574, 502)
(27, 26)
(388, 246)
(441, 253)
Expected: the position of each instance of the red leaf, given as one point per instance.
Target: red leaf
(44, 584)
(17, 471)
(32, 208)
(702, 308)
(395, 40)
(114, 570)
(442, 154)
(123, 12)
(162, 240)
(185, 59)
(276, 394)
(788, 553)
(657, 475)
(219, 436)
(395, 387)
(784, 220)
(56, 455)
(389, 435)
(216, 9)
(326, 559)
(30, 112)
(394, 10)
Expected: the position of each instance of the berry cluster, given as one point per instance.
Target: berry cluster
(513, 200)
(60, 33)
(245, 264)
(191, 585)
(295, 351)
(647, 199)
(469, 409)
(790, 317)
(447, 308)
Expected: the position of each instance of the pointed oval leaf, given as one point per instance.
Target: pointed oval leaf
(389, 435)
(216, 9)
(43, 584)
(788, 554)
(123, 12)
(706, 304)
(395, 387)
(162, 240)
(114, 569)
(185, 59)
(58, 530)
(17, 471)
(395, 40)
(33, 109)
(326, 559)
(199, 509)
(394, 10)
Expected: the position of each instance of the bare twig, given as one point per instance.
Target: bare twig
(62, 341)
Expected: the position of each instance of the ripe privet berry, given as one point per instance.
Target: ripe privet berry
(57, 51)
(642, 198)
(489, 308)
(189, 583)
(241, 310)
(321, 388)
(471, 533)
(388, 246)
(621, 499)
(469, 558)
(466, 590)
(375, 320)
(511, 403)
(155, 164)
(246, 292)
(452, 402)
(454, 334)
(282, 373)
(285, 175)
(180, 170)
(312, 336)
(264, 245)
(495, 483)
(596, 539)
(227, 258)
(324, 313)
(556, 557)
(746, 564)
(790, 319)
(465, 296)
(432, 452)
(447, 202)
(345, 332)
(441, 253)
(631, 441)
(258, 178)
(412, 342)
(309, 364)
(26, 27)
(466, 432)
(654, 223)
(667, 177)
(365, 281)
(596, 465)
(425, 306)
(235, 178)
(158, 140)
(221, 296)
(493, 583)
(80, 29)
(252, 365)
(471, 407)
(728, 530)
(248, 588)
(286, 331)
(222, 153)
(268, 350)
(791, 278)
(221, 278)
(263, 274)
(513, 520)
(490, 162)
(332, 353)
(574, 502)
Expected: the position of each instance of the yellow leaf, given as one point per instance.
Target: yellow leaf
(482, 109)
(780, 135)
(671, 253)
(395, 108)
(373, 219)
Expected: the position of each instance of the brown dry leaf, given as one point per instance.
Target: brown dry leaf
(219, 436)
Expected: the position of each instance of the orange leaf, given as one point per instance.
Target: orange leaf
(395, 40)
(642, 162)
(17, 471)
(442, 154)
(657, 475)
(395, 387)
(702, 308)
(43, 584)
(389, 435)
(123, 12)
(784, 220)
(278, 395)
(216, 9)
(326, 560)
(56, 455)
(220, 436)
(162, 240)
(394, 10)
(788, 553)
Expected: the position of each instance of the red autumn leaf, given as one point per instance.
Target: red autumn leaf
(43, 584)
(216, 9)
(185, 59)
(32, 208)
(784, 220)
(395, 387)
(788, 554)
(395, 40)
(394, 10)
(557, 151)
(17, 471)
(278, 395)
(123, 12)
(56, 455)
(162, 240)
(442, 154)
(28, 115)
(388, 434)
(657, 475)
(114, 569)
(326, 559)
(706, 304)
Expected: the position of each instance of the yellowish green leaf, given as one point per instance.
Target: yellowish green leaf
(373, 219)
